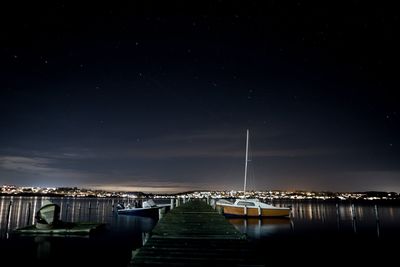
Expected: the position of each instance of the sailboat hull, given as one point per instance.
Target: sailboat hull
(254, 212)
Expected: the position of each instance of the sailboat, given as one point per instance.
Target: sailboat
(250, 207)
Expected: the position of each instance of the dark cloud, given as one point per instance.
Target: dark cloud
(124, 96)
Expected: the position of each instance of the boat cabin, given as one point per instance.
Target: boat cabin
(247, 202)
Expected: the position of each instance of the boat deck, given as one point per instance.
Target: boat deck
(195, 235)
(66, 229)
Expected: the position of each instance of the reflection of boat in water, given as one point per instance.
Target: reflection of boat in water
(261, 227)
(250, 207)
(149, 208)
(262, 221)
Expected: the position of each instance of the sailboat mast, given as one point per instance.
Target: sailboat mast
(245, 165)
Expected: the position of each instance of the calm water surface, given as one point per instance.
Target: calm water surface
(316, 219)
(123, 234)
(321, 233)
(325, 228)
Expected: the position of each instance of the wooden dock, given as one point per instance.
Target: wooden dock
(194, 234)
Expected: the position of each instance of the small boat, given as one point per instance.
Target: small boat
(149, 208)
(48, 223)
(250, 207)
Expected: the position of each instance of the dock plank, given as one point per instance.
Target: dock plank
(195, 235)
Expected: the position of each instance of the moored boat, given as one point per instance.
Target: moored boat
(250, 207)
(149, 208)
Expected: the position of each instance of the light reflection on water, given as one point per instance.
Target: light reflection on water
(23, 210)
(259, 228)
(305, 216)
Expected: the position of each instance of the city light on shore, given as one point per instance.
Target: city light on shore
(264, 195)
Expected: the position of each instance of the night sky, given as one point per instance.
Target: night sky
(157, 97)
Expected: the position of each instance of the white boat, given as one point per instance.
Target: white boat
(250, 207)
(149, 208)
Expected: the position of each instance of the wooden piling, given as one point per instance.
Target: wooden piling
(90, 210)
(337, 210)
(338, 216)
(29, 213)
(66, 212)
(161, 212)
(79, 212)
(213, 203)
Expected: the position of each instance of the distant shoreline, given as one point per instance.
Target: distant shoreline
(159, 196)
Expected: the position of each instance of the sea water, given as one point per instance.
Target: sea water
(329, 229)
